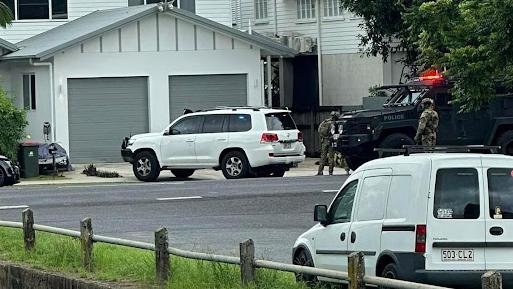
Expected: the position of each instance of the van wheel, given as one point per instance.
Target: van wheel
(146, 167)
(391, 272)
(395, 141)
(182, 173)
(506, 143)
(304, 258)
(235, 165)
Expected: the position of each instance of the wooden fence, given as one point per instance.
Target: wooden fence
(248, 264)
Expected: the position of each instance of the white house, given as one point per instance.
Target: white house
(345, 73)
(123, 71)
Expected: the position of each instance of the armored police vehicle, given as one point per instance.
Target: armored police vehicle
(359, 133)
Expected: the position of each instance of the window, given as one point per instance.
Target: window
(280, 121)
(500, 186)
(305, 9)
(401, 192)
(189, 5)
(29, 92)
(38, 9)
(261, 9)
(457, 194)
(373, 196)
(333, 8)
(188, 125)
(213, 123)
(342, 207)
(239, 123)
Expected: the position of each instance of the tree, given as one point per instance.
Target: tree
(6, 15)
(13, 122)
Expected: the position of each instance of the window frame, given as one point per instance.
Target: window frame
(32, 97)
(306, 10)
(16, 13)
(260, 16)
(326, 7)
(340, 195)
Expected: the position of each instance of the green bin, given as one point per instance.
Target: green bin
(28, 157)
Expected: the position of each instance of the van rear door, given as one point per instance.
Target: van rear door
(499, 213)
(455, 238)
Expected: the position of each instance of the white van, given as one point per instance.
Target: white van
(441, 219)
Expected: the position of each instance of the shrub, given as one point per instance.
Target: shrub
(12, 123)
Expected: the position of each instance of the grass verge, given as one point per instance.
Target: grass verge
(121, 264)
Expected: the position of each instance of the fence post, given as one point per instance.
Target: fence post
(247, 262)
(29, 235)
(491, 280)
(86, 243)
(161, 256)
(356, 270)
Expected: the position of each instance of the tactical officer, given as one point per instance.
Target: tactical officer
(327, 151)
(428, 124)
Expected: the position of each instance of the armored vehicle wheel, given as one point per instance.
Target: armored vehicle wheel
(395, 141)
(506, 143)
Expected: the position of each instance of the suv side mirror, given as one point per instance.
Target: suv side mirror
(321, 214)
(166, 132)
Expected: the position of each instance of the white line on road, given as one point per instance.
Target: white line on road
(330, 191)
(13, 207)
(179, 198)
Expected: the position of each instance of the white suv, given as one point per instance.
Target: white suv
(441, 219)
(239, 141)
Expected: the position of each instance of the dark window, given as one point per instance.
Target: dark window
(29, 92)
(188, 125)
(239, 122)
(213, 123)
(188, 5)
(342, 207)
(500, 188)
(135, 2)
(33, 9)
(457, 194)
(153, 1)
(280, 121)
(10, 4)
(59, 9)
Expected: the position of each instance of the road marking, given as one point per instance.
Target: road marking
(179, 198)
(330, 191)
(13, 207)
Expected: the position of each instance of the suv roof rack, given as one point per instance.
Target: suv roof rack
(255, 108)
(412, 149)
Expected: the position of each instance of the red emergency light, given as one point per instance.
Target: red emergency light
(431, 75)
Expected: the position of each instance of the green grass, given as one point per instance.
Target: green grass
(121, 264)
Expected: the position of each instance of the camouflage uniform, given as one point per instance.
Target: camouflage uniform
(428, 125)
(327, 151)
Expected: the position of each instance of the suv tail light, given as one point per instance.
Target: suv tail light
(420, 239)
(300, 136)
(269, 137)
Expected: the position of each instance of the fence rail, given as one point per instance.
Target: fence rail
(355, 277)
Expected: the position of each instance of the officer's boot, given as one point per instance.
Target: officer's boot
(320, 170)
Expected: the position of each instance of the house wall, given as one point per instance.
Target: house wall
(171, 51)
(217, 10)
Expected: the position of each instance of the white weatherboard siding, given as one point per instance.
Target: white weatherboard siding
(157, 59)
(79, 8)
(217, 10)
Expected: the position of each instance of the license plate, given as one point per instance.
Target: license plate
(287, 145)
(457, 255)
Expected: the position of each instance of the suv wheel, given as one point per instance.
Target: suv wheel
(506, 143)
(391, 272)
(304, 258)
(182, 173)
(3, 177)
(395, 141)
(235, 165)
(146, 167)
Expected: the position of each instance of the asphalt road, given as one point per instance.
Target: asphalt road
(205, 216)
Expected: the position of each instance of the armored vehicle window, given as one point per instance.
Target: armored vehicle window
(500, 186)
(457, 194)
(342, 207)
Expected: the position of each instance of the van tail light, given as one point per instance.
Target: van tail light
(269, 138)
(420, 239)
(300, 136)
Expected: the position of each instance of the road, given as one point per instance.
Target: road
(205, 216)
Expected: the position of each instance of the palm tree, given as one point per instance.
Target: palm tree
(6, 16)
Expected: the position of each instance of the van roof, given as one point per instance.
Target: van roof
(424, 158)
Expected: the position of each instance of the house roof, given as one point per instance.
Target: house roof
(7, 45)
(92, 25)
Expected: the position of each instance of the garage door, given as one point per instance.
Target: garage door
(102, 111)
(206, 91)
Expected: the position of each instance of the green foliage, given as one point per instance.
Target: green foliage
(12, 122)
(6, 15)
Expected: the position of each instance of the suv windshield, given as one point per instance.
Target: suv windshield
(500, 186)
(279, 121)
